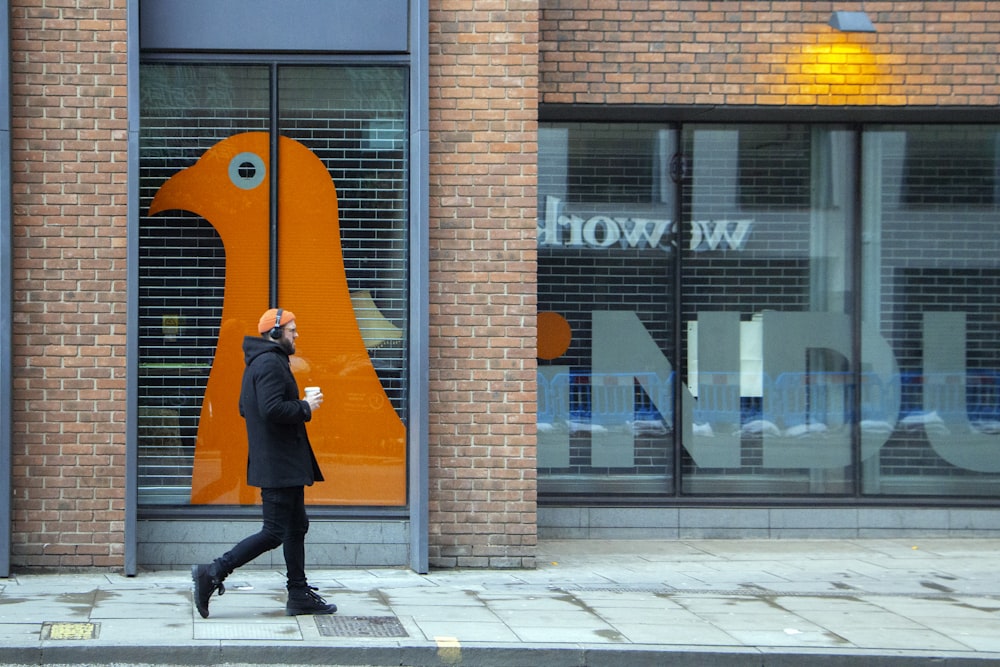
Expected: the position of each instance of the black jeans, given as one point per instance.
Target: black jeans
(285, 524)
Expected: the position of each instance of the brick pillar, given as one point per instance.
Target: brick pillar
(69, 145)
(483, 145)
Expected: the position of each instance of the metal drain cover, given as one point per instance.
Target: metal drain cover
(360, 626)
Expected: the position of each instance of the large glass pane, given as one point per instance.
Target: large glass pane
(353, 123)
(186, 109)
(931, 284)
(605, 300)
(766, 283)
(206, 258)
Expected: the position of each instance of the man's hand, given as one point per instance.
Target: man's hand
(314, 399)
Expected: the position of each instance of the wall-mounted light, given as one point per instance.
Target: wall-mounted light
(852, 22)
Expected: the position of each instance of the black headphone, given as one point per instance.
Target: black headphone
(275, 331)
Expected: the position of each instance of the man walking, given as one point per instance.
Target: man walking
(280, 462)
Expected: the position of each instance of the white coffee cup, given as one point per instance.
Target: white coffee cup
(311, 391)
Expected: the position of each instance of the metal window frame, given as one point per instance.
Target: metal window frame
(419, 482)
(641, 113)
(417, 429)
(6, 301)
(678, 116)
(132, 290)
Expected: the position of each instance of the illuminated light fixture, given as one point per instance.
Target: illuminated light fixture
(852, 22)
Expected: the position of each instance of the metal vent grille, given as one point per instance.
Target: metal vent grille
(360, 626)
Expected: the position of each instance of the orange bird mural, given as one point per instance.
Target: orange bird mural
(357, 435)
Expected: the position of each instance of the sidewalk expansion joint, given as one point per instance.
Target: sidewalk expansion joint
(763, 592)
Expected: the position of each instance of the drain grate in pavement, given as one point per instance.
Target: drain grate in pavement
(60, 630)
(360, 626)
(237, 631)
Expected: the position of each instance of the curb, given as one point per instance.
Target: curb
(476, 656)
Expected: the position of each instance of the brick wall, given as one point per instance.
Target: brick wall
(69, 198)
(483, 98)
(767, 53)
(488, 71)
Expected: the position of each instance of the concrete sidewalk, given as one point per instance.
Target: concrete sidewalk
(589, 603)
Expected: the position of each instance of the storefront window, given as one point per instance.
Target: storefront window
(833, 291)
(213, 249)
(766, 277)
(931, 257)
(605, 298)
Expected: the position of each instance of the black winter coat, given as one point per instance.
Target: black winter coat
(280, 454)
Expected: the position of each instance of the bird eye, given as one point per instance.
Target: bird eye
(247, 171)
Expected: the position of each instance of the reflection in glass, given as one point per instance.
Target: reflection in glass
(766, 281)
(838, 331)
(345, 126)
(606, 237)
(931, 260)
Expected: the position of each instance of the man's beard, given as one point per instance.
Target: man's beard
(287, 345)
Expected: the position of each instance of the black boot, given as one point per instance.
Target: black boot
(207, 580)
(307, 601)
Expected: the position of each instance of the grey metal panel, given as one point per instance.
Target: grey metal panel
(730, 522)
(356, 26)
(419, 291)
(6, 299)
(173, 543)
(132, 294)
